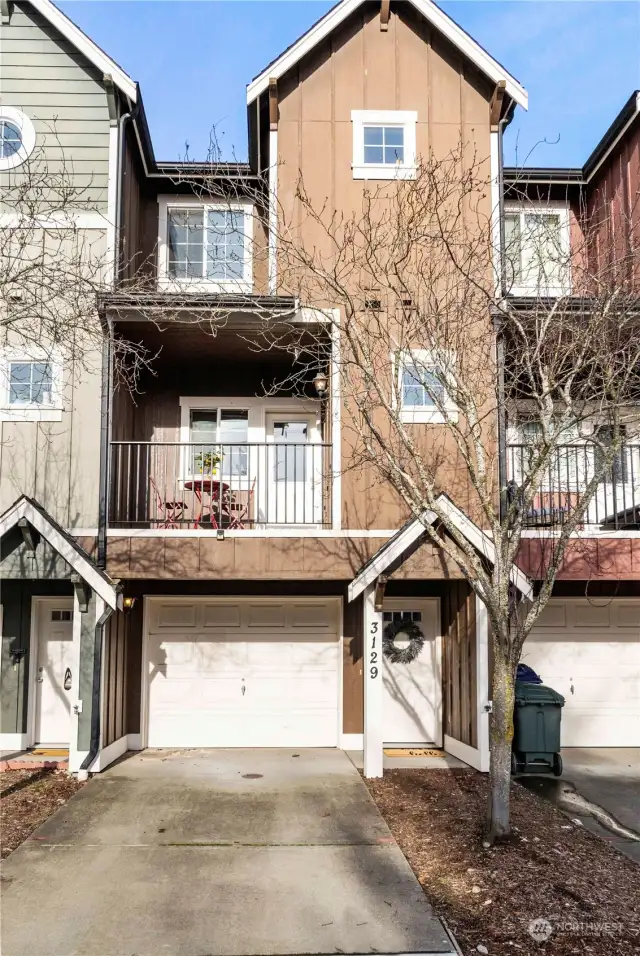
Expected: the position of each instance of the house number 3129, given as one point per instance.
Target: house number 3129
(373, 653)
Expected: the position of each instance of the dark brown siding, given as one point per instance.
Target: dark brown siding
(353, 685)
(459, 653)
(115, 678)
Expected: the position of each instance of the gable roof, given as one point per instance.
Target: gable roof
(86, 46)
(408, 539)
(64, 544)
(429, 10)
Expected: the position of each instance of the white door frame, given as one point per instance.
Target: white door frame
(148, 599)
(63, 602)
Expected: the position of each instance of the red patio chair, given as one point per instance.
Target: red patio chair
(170, 512)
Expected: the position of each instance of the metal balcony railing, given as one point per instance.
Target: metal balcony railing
(219, 486)
(616, 502)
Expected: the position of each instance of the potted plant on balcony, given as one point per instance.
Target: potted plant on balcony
(206, 463)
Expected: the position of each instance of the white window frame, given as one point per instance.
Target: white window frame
(561, 209)
(31, 411)
(259, 409)
(165, 281)
(407, 119)
(419, 414)
(17, 118)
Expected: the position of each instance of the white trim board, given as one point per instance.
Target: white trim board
(465, 753)
(14, 742)
(86, 46)
(429, 10)
(393, 549)
(55, 536)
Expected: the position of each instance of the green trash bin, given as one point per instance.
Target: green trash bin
(536, 729)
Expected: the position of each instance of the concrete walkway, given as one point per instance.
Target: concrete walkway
(204, 853)
(600, 786)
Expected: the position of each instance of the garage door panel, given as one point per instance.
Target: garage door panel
(594, 662)
(174, 615)
(286, 663)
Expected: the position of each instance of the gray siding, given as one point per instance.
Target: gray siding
(42, 74)
(45, 77)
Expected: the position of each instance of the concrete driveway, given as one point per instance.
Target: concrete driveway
(600, 786)
(235, 852)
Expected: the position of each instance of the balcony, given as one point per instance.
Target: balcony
(616, 503)
(220, 487)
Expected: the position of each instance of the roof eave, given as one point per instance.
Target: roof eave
(437, 17)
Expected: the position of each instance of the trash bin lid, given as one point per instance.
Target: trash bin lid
(537, 694)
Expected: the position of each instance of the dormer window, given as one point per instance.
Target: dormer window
(206, 246)
(537, 250)
(384, 144)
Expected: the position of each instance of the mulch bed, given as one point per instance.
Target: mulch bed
(553, 869)
(27, 799)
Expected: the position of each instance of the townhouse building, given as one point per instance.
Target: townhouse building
(198, 562)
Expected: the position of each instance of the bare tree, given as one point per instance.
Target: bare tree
(55, 262)
(439, 360)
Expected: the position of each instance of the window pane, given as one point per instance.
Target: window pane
(41, 383)
(10, 139)
(412, 389)
(225, 244)
(185, 243)
(513, 250)
(393, 154)
(234, 425)
(373, 136)
(290, 463)
(394, 136)
(204, 426)
(373, 154)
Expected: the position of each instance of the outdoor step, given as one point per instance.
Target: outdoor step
(27, 760)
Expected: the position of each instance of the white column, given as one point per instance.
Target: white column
(482, 683)
(373, 734)
(273, 211)
(75, 758)
(336, 426)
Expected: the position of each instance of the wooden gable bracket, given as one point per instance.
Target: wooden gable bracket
(495, 106)
(385, 10)
(273, 104)
(30, 536)
(6, 9)
(378, 598)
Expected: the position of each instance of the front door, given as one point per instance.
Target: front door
(294, 469)
(412, 701)
(54, 668)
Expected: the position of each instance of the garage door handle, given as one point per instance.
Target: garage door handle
(243, 690)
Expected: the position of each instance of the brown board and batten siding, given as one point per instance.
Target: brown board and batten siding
(115, 666)
(42, 75)
(459, 663)
(413, 67)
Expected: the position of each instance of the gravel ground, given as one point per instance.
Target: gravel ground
(582, 891)
(27, 799)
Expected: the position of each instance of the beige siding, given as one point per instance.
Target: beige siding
(42, 75)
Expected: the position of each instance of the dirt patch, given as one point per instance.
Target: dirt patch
(582, 891)
(27, 799)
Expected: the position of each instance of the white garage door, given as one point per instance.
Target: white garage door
(259, 673)
(589, 651)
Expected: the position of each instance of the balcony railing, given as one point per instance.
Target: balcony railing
(615, 504)
(219, 486)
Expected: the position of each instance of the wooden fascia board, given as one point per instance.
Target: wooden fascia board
(431, 12)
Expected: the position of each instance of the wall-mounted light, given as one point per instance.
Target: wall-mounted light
(320, 384)
(128, 602)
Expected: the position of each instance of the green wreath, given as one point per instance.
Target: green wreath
(402, 655)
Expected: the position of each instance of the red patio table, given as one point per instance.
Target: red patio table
(219, 492)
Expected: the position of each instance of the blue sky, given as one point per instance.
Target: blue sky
(578, 60)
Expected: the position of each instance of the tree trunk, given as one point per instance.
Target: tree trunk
(501, 738)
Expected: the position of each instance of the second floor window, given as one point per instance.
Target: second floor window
(207, 244)
(30, 383)
(537, 251)
(384, 144)
(422, 389)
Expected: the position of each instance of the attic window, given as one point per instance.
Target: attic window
(384, 144)
(17, 137)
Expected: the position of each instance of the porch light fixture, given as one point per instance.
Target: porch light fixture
(320, 384)
(127, 603)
